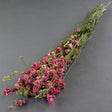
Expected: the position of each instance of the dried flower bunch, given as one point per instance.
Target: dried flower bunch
(46, 77)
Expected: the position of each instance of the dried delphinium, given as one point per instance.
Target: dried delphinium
(45, 78)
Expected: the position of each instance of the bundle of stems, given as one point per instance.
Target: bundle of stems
(45, 78)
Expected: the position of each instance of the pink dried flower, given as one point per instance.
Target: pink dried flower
(36, 82)
(77, 42)
(17, 86)
(10, 107)
(43, 62)
(37, 78)
(26, 78)
(52, 90)
(18, 102)
(53, 53)
(59, 49)
(57, 91)
(70, 45)
(19, 80)
(71, 40)
(52, 72)
(36, 66)
(67, 51)
(7, 91)
(62, 85)
(78, 30)
(48, 82)
(50, 98)
(33, 72)
(60, 70)
(68, 61)
(72, 36)
(35, 89)
(27, 72)
(46, 72)
(49, 54)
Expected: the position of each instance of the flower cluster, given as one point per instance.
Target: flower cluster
(45, 78)
(7, 91)
(19, 102)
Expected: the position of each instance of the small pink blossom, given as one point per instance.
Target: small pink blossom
(63, 63)
(60, 70)
(18, 102)
(36, 82)
(57, 91)
(10, 107)
(48, 82)
(43, 62)
(68, 61)
(26, 78)
(50, 98)
(20, 80)
(71, 40)
(70, 45)
(35, 89)
(17, 86)
(27, 72)
(37, 78)
(60, 58)
(36, 66)
(78, 30)
(45, 58)
(7, 91)
(65, 70)
(52, 72)
(33, 72)
(49, 54)
(46, 72)
(53, 53)
(77, 42)
(67, 51)
(72, 36)
(52, 90)
(62, 85)
(56, 83)
(59, 49)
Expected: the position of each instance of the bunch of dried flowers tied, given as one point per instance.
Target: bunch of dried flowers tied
(46, 77)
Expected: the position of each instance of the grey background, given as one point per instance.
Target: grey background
(31, 27)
